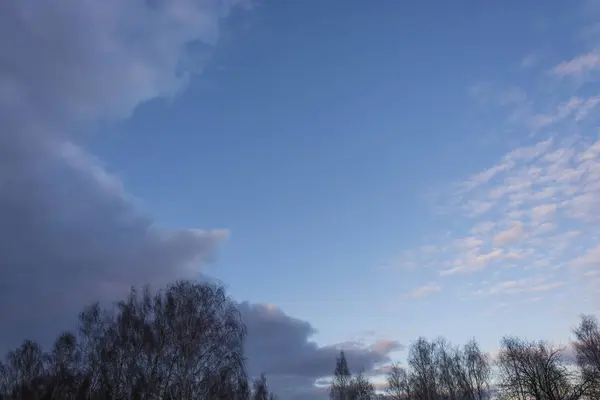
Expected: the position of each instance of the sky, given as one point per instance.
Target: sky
(356, 173)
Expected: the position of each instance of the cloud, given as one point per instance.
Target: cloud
(589, 261)
(562, 111)
(280, 346)
(526, 285)
(485, 176)
(529, 61)
(576, 108)
(510, 235)
(539, 206)
(532, 211)
(579, 65)
(70, 234)
(423, 291)
(541, 214)
(472, 260)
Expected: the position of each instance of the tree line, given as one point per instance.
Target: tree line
(186, 342)
(522, 370)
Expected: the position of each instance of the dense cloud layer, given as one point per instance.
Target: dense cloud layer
(68, 232)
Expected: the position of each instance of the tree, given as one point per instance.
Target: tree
(422, 361)
(361, 388)
(184, 342)
(24, 372)
(342, 379)
(437, 369)
(260, 390)
(180, 343)
(536, 370)
(477, 372)
(448, 370)
(587, 350)
(346, 387)
(398, 384)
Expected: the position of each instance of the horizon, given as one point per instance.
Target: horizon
(356, 175)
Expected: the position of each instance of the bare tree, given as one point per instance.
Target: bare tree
(536, 370)
(25, 372)
(181, 343)
(65, 380)
(177, 343)
(398, 384)
(422, 361)
(361, 388)
(587, 349)
(437, 369)
(448, 369)
(476, 372)
(463, 374)
(260, 390)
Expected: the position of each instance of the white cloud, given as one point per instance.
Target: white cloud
(579, 65)
(563, 110)
(543, 212)
(590, 259)
(586, 108)
(423, 291)
(485, 176)
(536, 207)
(526, 285)
(528, 153)
(543, 228)
(540, 214)
(472, 260)
(482, 228)
(510, 235)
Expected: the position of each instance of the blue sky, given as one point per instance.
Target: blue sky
(378, 168)
(326, 137)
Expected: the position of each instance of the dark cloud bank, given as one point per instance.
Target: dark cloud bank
(68, 232)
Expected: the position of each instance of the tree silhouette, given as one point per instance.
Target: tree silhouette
(537, 370)
(342, 379)
(260, 390)
(587, 349)
(476, 372)
(361, 388)
(398, 384)
(185, 342)
(422, 361)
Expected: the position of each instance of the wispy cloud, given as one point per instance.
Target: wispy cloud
(533, 213)
(527, 285)
(579, 65)
(510, 235)
(529, 61)
(423, 291)
(534, 208)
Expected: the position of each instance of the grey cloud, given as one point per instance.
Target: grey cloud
(281, 346)
(68, 232)
(68, 61)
